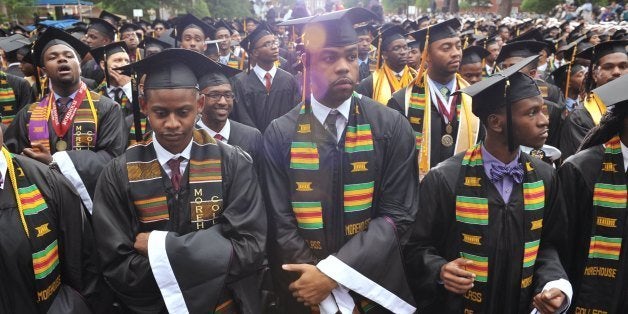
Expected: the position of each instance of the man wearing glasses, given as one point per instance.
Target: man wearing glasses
(265, 92)
(215, 116)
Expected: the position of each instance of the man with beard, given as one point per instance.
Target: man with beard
(609, 61)
(191, 33)
(492, 219)
(394, 73)
(340, 179)
(179, 218)
(99, 33)
(471, 63)
(227, 57)
(266, 92)
(441, 130)
(71, 128)
(215, 119)
(594, 186)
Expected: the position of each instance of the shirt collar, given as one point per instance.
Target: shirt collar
(3, 170)
(624, 152)
(321, 111)
(163, 156)
(489, 161)
(226, 130)
(360, 61)
(126, 89)
(71, 95)
(261, 72)
(450, 85)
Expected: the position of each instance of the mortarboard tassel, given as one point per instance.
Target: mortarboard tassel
(379, 49)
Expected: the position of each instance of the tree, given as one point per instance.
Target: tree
(539, 6)
(18, 9)
(229, 8)
(505, 6)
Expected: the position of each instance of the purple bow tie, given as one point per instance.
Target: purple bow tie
(498, 172)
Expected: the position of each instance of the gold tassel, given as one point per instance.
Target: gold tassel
(379, 49)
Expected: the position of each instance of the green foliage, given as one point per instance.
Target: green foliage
(19, 9)
(354, 3)
(538, 6)
(229, 8)
(392, 6)
(422, 4)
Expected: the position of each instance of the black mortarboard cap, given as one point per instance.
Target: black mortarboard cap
(414, 44)
(533, 34)
(619, 34)
(442, 30)
(151, 41)
(13, 42)
(366, 29)
(109, 17)
(103, 27)
(212, 79)
(54, 36)
(222, 24)
(18, 27)
(250, 19)
(485, 42)
(129, 27)
(422, 18)
(3, 33)
(188, 21)
(249, 42)
(524, 49)
(613, 93)
(595, 53)
(568, 50)
(176, 68)
(143, 23)
(559, 76)
(212, 47)
(160, 21)
(473, 54)
(115, 47)
(387, 34)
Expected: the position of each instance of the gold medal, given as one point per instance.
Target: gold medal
(449, 129)
(537, 153)
(447, 140)
(61, 145)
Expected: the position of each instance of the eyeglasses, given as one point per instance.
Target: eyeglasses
(217, 96)
(269, 44)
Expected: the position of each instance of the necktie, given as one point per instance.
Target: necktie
(267, 77)
(62, 106)
(117, 92)
(498, 172)
(175, 173)
(330, 123)
(219, 137)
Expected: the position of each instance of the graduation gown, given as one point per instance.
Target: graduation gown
(575, 128)
(436, 241)
(81, 167)
(17, 291)
(91, 70)
(247, 138)
(22, 90)
(579, 174)
(255, 107)
(393, 210)
(202, 262)
(555, 102)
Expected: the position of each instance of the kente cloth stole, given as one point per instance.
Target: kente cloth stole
(143, 123)
(205, 183)
(35, 217)
(233, 62)
(472, 218)
(418, 111)
(124, 100)
(83, 132)
(311, 194)
(7, 100)
(385, 83)
(596, 108)
(599, 288)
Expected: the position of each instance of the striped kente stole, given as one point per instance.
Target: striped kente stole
(472, 218)
(599, 286)
(7, 100)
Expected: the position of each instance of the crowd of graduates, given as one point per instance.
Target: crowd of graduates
(334, 163)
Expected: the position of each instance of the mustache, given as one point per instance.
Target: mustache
(343, 80)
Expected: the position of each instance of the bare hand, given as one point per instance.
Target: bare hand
(549, 301)
(38, 152)
(455, 277)
(118, 78)
(312, 287)
(141, 243)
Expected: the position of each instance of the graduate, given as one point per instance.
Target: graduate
(265, 92)
(609, 61)
(491, 44)
(153, 46)
(71, 127)
(471, 63)
(340, 179)
(219, 98)
(16, 94)
(129, 34)
(443, 123)
(594, 185)
(414, 55)
(492, 218)
(99, 33)
(223, 33)
(116, 85)
(366, 64)
(392, 73)
(179, 218)
(190, 33)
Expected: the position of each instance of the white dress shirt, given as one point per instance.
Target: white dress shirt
(624, 152)
(163, 156)
(321, 112)
(261, 73)
(126, 89)
(226, 130)
(3, 170)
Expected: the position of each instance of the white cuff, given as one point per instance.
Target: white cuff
(67, 169)
(338, 300)
(344, 275)
(564, 286)
(162, 271)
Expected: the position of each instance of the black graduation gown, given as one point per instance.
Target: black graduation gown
(438, 151)
(17, 291)
(246, 137)
(88, 163)
(555, 101)
(436, 241)
(575, 128)
(195, 256)
(255, 107)
(394, 196)
(365, 87)
(22, 90)
(578, 175)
